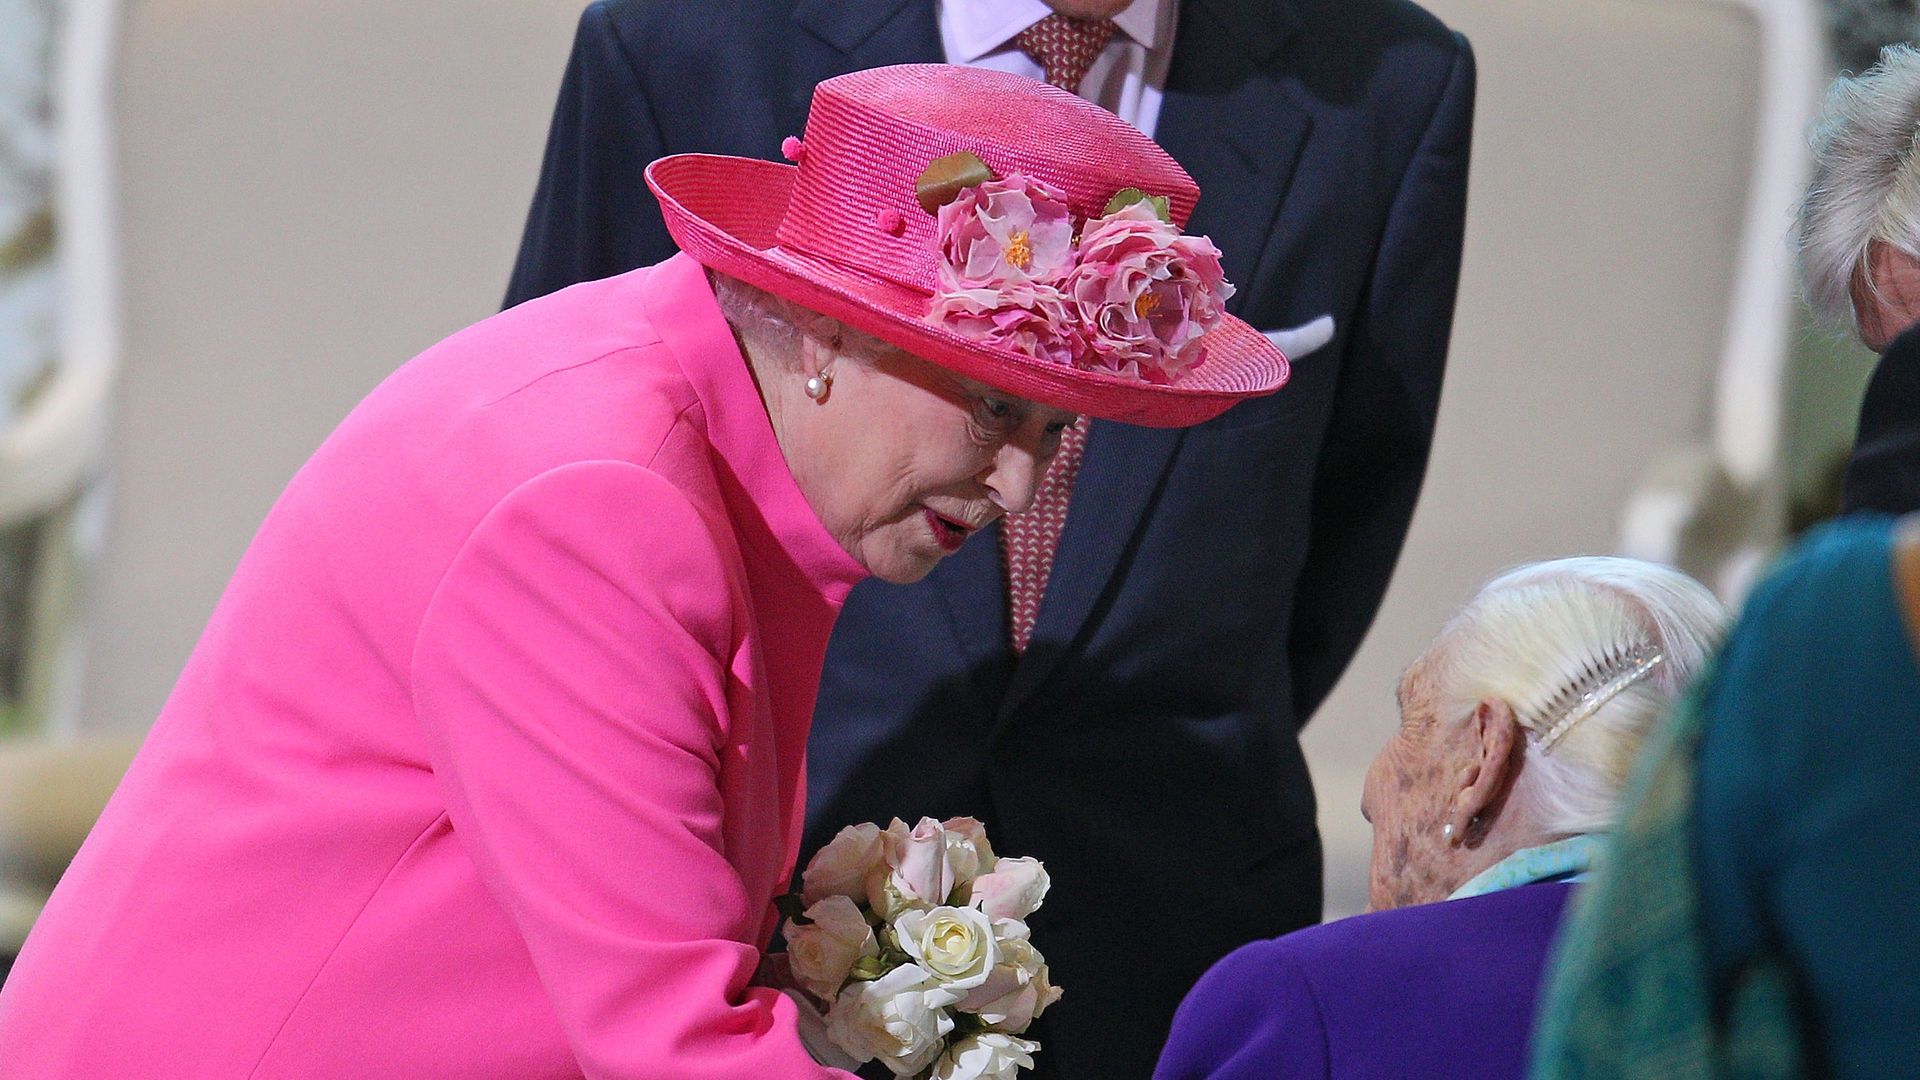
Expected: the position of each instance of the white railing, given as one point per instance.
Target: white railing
(52, 456)
(1718, 510)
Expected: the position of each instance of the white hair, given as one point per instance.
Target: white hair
(1866, 181)
(778, 325)
(1546, 633)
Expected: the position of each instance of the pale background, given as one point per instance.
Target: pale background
(310, 192)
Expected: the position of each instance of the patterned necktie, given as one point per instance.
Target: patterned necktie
(1064, 48)
(1028, 540)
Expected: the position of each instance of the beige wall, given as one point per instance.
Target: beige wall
(313, 192)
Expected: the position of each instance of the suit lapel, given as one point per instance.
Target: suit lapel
(1122, 470)
(855, 35)
(1233, 126)
(971, 585)
(1235, 131)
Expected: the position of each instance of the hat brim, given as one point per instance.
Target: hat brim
(726, 212)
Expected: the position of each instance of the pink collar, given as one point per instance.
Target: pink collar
(681, 306)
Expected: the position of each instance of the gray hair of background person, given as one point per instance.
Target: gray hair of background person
(1536, 631)
(1866, 183)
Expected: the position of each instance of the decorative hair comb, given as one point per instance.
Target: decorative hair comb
(1598, 683)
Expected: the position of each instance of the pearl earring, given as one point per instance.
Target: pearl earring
(1447, 832)
(818, 385)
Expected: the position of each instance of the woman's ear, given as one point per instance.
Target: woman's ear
(1499, 752)
(1886, 294)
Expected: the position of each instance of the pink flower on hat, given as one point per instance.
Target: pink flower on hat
(1145, 294)
(1004, 246)
(1028, 317)
(1130, 295)
(1004, 233)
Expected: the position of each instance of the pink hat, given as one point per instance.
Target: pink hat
(997, 226)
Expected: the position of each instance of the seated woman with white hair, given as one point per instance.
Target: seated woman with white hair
(1519, 725)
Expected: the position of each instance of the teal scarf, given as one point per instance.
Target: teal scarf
(1563, 860)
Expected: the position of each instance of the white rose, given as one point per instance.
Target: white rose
(843, 866)
(989, 1055)
(956, 944)
(822, 953)
(900, 1018)
(1017, 990)
(1014, 890)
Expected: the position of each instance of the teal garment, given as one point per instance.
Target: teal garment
(1757, 915)
(1563, 860)
(1809, 803)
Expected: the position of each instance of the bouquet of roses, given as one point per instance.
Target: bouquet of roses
(915, 943)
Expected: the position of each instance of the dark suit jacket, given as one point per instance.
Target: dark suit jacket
(1211, 583)
(1883, 473)
(1434, 992)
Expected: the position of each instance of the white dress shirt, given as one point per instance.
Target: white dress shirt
(1126, 77)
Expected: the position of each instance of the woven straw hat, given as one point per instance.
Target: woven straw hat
(843, 232)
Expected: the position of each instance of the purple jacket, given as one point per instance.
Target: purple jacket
(1434, 991)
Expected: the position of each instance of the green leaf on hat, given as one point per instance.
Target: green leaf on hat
(946, 177)
(1126, 197)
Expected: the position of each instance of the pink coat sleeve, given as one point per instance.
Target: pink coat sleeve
(571, 675)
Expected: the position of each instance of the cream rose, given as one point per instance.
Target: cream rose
(900, 1018)
(823, 952)
(989, 1055)
(1014, 890)
(955, 944)
(843, 867)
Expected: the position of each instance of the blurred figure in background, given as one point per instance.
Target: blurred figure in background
(1756, 918)
(1859, 238)
(1114, 683)
(1861, 28)
(1518, 728)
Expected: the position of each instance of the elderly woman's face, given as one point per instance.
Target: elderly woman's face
(903, 460)
(1407, 798)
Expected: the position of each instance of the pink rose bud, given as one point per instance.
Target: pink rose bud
(923, 872)
(843, 867)
(1014, 890)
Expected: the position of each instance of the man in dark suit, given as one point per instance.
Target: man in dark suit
(1209, 585)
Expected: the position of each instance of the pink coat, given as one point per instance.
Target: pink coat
(490, 761)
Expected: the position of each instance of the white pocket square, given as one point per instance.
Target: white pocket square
(1302, 339)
